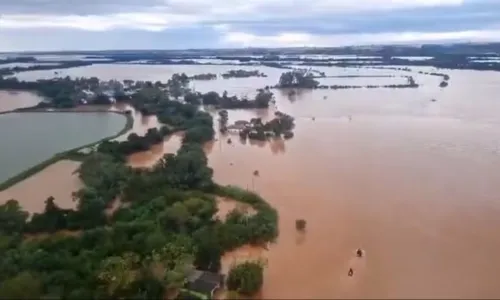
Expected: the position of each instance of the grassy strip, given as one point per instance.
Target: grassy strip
(69, 154)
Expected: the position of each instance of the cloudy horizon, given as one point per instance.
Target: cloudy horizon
(51, 25)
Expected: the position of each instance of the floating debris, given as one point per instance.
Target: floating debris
(359, 252)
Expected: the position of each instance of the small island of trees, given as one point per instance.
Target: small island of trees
(297, 79)
(261, 100)
(280, 126)
(304, 79)
(205, 76)
(242, 74)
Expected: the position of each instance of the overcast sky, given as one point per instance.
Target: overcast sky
(177, 24)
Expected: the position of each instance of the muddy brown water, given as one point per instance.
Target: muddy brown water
(58, 180)
(10, 100)
(411, 182)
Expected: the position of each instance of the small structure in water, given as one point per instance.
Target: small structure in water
(350, 273)
(359, 253)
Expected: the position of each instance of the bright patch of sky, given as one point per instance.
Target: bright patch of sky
(177, 24)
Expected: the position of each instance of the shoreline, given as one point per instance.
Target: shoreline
(67, 154)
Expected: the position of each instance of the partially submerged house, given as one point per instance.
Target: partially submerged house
(204, 283)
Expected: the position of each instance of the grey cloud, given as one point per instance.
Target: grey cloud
(75, 7)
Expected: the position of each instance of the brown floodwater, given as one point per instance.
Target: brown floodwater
(410, 181)
(10, 100)
(58, 180)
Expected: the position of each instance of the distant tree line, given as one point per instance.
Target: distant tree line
(243, 74)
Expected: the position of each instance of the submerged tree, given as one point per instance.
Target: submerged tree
(300, 224)
(297, 79)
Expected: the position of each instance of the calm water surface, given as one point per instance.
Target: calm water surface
(412, 182)
(10, 100)
(30, 138)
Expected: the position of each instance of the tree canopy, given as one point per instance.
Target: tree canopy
(246, 278)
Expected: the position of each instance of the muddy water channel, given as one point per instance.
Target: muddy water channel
(413, 182)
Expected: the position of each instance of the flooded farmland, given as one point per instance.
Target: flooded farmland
(409, 180)
(31, 138)
(10, 100)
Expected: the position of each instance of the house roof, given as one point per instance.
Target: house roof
(204, 282)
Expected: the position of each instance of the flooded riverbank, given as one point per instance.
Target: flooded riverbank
(58, 180)
(411, 181)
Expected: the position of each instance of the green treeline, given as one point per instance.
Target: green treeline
(163, 227)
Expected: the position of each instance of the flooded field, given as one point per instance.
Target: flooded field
(58, 180)
(413, 182)
(30, 138)
(10, 100)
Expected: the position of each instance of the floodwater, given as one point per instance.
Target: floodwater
(58, 180)
(410, 181)
(30, 138)
(10, 100)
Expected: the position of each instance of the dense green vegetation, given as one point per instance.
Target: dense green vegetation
(134, 143)
(281, 125)
(261, 100)
(163, 227)
(166, 228)
(297, 79)
(246, 278)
